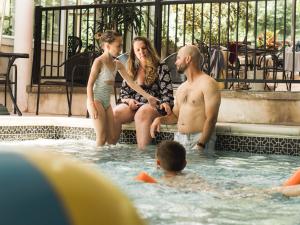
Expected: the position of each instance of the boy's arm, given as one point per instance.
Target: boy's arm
(290, 191)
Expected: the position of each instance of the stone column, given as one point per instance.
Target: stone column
(23, 42)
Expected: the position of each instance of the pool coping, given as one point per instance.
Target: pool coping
(221, 128)
(254, 138)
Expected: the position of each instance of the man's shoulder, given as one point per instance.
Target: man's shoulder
(205, 78)
(182, 85)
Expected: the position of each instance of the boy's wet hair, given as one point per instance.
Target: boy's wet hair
(172, 156)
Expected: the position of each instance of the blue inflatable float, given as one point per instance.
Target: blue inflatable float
(39, 188)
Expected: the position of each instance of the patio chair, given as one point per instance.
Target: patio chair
(76, 72)
(272, 67)
(9, 82)
(176, 77)
(235, 67)
(74, 45)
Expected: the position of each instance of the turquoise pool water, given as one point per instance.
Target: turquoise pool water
(233, 194)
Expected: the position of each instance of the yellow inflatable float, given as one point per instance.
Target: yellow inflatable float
(39, 188)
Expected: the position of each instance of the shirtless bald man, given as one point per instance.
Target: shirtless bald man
(196, 106)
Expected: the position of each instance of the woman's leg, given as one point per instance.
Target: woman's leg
(122, 114)
(143, 119)
(100, 124)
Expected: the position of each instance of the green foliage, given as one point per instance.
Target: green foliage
(119, 18)
(207, 19)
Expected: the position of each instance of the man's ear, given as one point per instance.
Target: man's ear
(188, 59)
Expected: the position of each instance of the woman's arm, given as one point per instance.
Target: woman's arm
(165, 88)
(121, 68)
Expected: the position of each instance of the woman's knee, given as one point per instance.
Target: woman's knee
(145, 114)
(122, 114)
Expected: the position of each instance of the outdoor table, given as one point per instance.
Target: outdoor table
(11, 59)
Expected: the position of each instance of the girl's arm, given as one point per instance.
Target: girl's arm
(121, 68)
(96, 68)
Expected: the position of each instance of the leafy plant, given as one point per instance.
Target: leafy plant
(120, 18)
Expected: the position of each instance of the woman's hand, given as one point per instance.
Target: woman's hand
(166, 108)
(133, 104)
(92, 110)
(152, 101)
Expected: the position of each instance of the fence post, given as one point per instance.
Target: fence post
(158, 26)
(36, 65)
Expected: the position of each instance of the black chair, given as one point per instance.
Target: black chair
(271, 68)
(118, 80)
(76, 72)
(9, 82)
(74, 45)
(176, 77)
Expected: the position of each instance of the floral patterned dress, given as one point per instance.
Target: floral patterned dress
(162, 88)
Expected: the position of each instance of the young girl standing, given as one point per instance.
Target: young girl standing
(100, 87)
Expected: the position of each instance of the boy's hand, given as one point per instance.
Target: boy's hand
(155, 127)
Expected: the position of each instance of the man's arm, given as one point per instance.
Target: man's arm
(212, 100)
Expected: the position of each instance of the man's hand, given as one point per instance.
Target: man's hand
(155, 127)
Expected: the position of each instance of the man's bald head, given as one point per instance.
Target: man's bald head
(193, 52)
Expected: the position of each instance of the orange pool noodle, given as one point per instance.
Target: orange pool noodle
(143, 176)
(293, 180)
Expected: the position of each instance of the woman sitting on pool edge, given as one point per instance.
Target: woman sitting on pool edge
(145, 69)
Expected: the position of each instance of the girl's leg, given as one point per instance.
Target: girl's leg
(100, 124)
(143, 119)
(122, 114)
(110, 133)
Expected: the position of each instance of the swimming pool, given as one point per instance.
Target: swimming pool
(235, 182)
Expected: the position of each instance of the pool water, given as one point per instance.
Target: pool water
(234, 192)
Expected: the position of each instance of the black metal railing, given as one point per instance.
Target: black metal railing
(250, 39)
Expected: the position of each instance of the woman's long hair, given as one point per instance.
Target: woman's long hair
(151, 63)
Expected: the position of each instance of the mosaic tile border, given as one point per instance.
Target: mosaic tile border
(225, 142)
(259, 145)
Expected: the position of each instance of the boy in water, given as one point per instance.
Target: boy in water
(171, 158)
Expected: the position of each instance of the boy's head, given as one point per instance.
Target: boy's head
(170, 155)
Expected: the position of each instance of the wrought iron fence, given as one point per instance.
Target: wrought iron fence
(253, 41)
